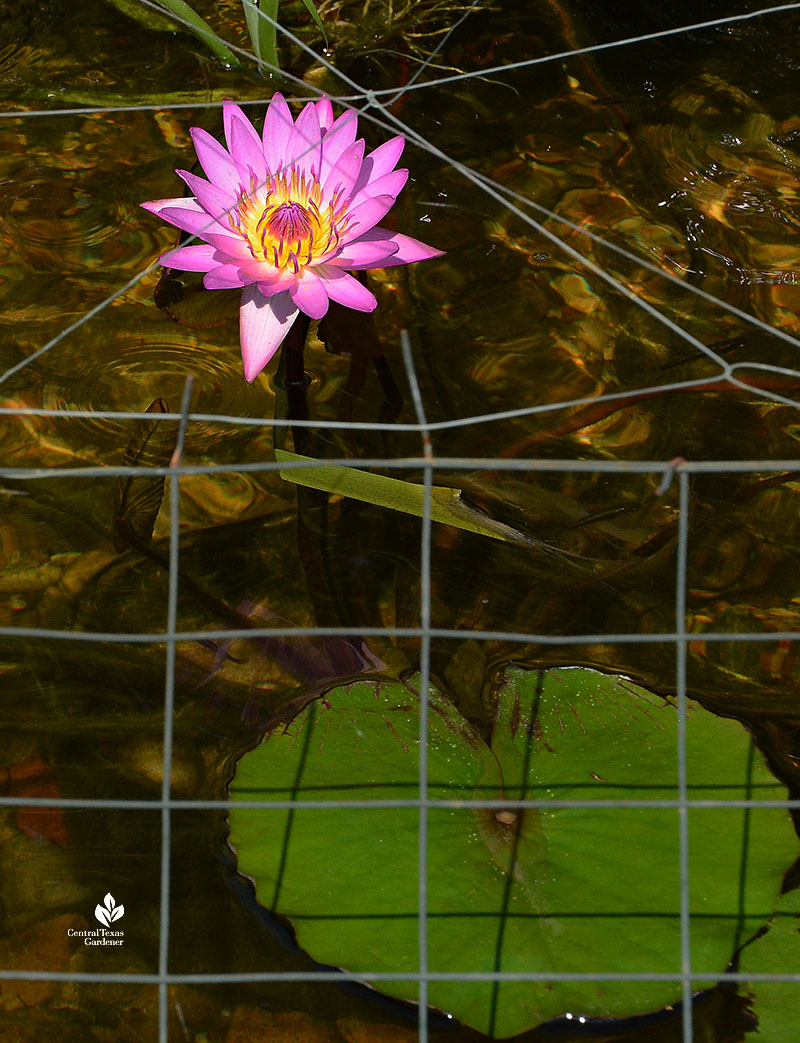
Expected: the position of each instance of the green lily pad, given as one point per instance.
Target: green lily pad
(777, 1003)
(545, 890)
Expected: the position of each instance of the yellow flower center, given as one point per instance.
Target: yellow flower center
(284, 221)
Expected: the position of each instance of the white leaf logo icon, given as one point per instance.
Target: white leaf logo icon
(109, 911)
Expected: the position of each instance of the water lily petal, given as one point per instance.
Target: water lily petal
(346, 290)
(200, 258)
(364, 216)
(324, 114)
(344, 173)
(215, 200)
(381, 248)
(271, 284)
(278, 127)
(231, 246)
(304, 149)
(390, 184)
(340, 136)
(364, 253)
(309, 294)
(206, 228)
(408, 250)
(270, 280)
(156, 206)
(386, 156)
(245, 145)
(198, 222)
(218, 166)
(381, 161)
(262, 326)
(227, 277)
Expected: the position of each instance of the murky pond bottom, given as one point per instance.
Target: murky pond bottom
(545, 384)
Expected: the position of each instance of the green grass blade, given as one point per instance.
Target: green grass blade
(447, 507)
(312, 10)
(263, 33)
(201, 29)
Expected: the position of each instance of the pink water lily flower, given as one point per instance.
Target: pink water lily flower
(286, 216)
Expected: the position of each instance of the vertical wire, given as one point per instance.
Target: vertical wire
(683, 810)
(424, 685)
(169, 707)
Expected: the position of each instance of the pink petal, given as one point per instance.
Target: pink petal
(308, 293)
(199, 258)
(364, 216)
(408, 250)
(390, 184)
(262, 326)
(213, 199)
(278, 127)
(244, 144)
(215, 161)
(344, 172)
(324, 114)
(381, 161)
(363, 253)
(273, 282)
(198, 222)
(340, 136)
(386, 156)
(346, 290)
(304, 149)
(227, 277)
(156, 206)
(232, 247)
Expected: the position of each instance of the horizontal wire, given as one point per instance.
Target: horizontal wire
(113, 804)
(444, 463)
(440, 425)
(357, 976)
(188, 636)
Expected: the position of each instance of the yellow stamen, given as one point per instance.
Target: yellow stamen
(285, 222)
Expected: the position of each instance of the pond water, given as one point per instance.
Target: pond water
(682, 150)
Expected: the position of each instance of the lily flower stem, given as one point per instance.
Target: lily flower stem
(296, 380)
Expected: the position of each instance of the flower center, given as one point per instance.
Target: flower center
(289, 221)
(285, 221)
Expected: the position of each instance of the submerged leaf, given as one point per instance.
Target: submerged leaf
(547, 890)
(189, 304)
(137, 498)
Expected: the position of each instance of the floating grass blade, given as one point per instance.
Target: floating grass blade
(447, 507)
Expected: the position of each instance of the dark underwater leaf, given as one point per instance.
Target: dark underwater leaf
(137, 498)
(188, 303)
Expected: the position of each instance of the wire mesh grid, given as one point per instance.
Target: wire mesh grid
(375, 106)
